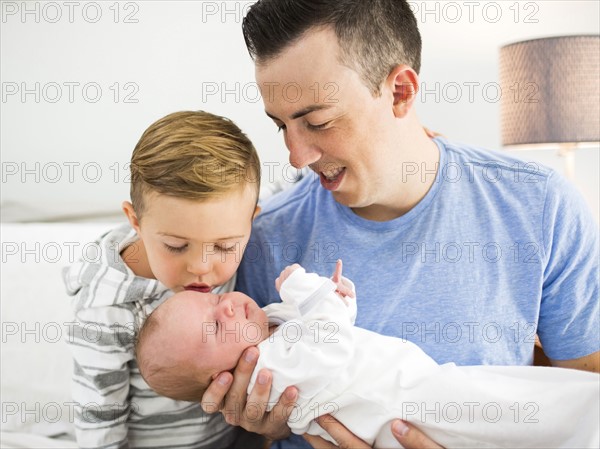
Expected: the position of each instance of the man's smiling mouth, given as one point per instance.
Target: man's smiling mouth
(331, 179)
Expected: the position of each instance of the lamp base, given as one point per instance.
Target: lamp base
(567, 151)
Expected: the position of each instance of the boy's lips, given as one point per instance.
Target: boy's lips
(202, 288)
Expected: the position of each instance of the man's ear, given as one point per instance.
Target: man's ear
(131, 215)
(257, 210)
(403, 82)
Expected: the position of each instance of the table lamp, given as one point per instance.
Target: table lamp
(551, 94)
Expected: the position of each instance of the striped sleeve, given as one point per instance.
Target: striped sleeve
(101, 343)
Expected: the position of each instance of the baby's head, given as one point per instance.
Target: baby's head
(192, 337)
(194, 188)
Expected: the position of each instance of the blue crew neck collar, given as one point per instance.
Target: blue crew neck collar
(404, 220)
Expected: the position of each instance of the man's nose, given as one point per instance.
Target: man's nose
(303, 152)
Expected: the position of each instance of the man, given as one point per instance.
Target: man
(466, 252)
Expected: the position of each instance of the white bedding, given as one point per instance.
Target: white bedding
(36, 366)
(14, 440)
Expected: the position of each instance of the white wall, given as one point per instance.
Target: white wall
(64, 148)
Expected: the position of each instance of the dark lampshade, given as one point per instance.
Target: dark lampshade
(551, 91)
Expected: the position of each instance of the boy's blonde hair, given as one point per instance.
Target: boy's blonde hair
(194, 155)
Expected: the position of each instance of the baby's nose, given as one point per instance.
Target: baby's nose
(227, 308)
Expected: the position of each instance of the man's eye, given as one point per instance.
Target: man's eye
(175, 249)
(280, 128)
(321, 126)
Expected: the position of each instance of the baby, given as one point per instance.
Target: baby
(309, 341)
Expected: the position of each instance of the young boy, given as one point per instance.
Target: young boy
(192, 337)
(194, 186)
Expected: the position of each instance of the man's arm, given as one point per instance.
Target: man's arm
(589, 362)
(569, 314)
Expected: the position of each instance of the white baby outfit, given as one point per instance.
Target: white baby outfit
(365, 380)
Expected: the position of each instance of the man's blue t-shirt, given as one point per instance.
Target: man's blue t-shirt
(497, 251)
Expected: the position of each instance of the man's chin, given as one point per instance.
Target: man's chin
(346, 199)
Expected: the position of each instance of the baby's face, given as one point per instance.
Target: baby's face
(213, 330)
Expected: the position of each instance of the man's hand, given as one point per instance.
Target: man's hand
(407, 435)
(227, 394)
(343, 437)
(410, 437)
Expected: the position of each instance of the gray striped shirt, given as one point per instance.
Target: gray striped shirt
(115, 407)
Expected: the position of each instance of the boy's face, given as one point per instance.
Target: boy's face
(213, 330)
(195, 244)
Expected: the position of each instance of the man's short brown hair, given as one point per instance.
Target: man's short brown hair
(374, 35)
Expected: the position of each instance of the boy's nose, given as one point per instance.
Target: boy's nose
(199, 265)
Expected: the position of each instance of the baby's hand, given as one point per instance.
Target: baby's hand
(342, 289)
(285, 274)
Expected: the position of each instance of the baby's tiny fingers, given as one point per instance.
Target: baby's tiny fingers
(344, 290)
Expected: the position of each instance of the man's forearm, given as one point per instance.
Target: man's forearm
(589, 362)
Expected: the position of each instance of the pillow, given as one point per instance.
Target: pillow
(36, 363)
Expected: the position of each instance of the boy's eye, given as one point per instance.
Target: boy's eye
(226, 249)
(175, 249)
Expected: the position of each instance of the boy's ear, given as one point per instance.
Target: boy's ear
(131, 216)
(256, 212)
